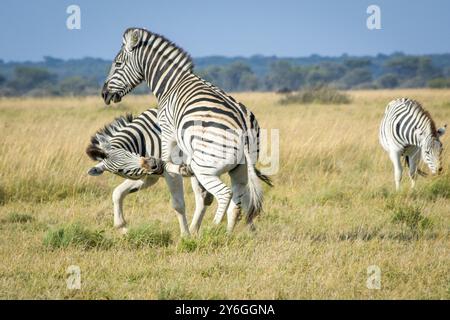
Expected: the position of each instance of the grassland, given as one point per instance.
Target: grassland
(332, 213)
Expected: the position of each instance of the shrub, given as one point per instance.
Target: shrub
(321, 95)
(412, 217)
(75, 235)
(148, 235)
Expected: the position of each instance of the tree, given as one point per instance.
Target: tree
(77, 86)
(356, 77)
(2, 79)
(388, 81)
(284, 75)
(27, 78)
(357, 63)
(325, 73)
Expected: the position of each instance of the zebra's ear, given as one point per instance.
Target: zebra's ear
(132, 39)
(441, 131)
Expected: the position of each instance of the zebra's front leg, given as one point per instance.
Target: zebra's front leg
(175, 184)
(395, 158)
(413, 161)
(119, 194)
(202, 200)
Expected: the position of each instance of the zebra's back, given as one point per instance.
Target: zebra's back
(141, 135)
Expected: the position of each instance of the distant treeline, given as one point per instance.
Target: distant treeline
(54, 76)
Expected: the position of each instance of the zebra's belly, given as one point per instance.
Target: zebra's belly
(219, 150)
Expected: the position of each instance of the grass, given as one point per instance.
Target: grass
(332, 213)
(15, 217)
(75, 235)
(148, 235)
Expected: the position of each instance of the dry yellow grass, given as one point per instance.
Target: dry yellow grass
(331, 214)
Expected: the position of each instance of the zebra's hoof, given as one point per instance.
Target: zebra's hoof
(186, 171)
(152, 165)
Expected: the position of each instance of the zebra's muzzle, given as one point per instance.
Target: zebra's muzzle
(108, 96)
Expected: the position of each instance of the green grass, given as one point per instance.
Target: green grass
(148, 235)
(77, 236)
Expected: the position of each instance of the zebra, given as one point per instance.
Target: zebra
(119, 148)
(408, 130)
(215, 132)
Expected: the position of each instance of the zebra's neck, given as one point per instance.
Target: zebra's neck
(164, 64)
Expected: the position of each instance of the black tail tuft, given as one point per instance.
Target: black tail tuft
(264, 178)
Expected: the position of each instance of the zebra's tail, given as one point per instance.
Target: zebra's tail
(255, 193)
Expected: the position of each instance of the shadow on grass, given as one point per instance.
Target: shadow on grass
(15, 217)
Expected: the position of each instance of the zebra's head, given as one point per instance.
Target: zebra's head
(111, 158)
(126, 71)
(432, 149)
(118, 161)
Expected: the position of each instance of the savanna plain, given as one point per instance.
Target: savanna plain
(332, 213)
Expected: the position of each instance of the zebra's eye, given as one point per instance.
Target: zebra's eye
(118, 64)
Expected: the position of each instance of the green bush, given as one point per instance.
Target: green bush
(412, 217)
(148, 236)
(321, 95)
(75, 235)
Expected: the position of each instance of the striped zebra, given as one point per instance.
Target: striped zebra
(215, 132)
(408, 130)
(119, 148)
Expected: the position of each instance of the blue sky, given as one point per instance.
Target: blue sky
(31, 29)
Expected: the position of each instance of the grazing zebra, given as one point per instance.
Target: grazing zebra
(408, 130)
(216, 133)
(119, 147)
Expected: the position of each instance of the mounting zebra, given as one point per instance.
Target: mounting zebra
(408, 130)
(215, 132)
(119, 147)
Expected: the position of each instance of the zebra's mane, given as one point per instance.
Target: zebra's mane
(427, 114)
(170, 43)
(100, 141)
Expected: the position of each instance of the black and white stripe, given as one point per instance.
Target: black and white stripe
(215, 132)
(408, 130)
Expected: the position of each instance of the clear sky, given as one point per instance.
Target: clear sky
(31, 29)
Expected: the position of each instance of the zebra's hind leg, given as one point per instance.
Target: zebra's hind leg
(175, 184)
(202, 200)
(219, 190)
(413, 161)
(395, 158)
